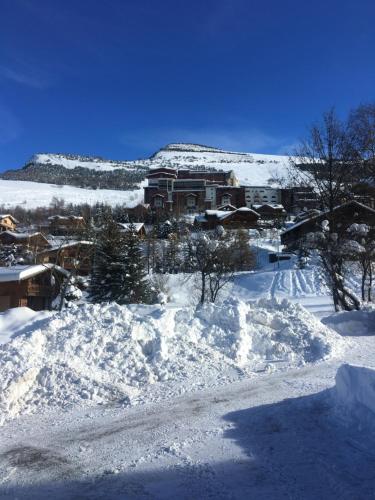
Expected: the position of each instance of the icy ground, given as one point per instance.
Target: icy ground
(265, 433)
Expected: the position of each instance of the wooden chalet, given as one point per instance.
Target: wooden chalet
(270, 211)
(139, 227)
(8, 222)
(241, 218)
(340, 218)
(74, 257)
(139, 212)
(61, 225)
(226, 208)
(34, 241)
(34, 286)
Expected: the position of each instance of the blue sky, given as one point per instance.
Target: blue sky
(121, 78)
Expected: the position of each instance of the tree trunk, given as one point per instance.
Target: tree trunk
(203, 288)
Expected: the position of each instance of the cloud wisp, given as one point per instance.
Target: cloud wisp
(25, 74)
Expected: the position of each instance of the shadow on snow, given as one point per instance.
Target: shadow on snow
(296, 449)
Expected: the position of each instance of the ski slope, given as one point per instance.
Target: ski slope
(36, 194)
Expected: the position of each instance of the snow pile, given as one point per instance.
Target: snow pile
(352, 323)
(15, 320)
(355, 393)
(110, 353)
(263, 330)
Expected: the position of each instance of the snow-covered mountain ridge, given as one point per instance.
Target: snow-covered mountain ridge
(72, 161)
(96, 173)
(250, 168)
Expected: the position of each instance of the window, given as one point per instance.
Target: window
(158, 202)
(225, 200)
(190, 202)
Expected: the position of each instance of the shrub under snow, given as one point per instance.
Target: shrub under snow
(109, 353)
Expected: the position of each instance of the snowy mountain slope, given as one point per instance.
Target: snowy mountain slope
(251, 169)
(80, 171)
(89, 162)
(111, 179)
(36, 194)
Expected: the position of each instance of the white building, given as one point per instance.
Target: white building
(259, 195)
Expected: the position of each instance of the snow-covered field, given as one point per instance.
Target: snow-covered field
(36, 194)
(251, 398)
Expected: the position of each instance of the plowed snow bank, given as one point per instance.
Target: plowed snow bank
(355, 393)
(108, 353)
(352, 323)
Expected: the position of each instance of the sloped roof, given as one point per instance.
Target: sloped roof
(227, 207)
(274, 206)
(20, 273)
(326, 212)
(221, 214)
(2, 216)
(127, 225)
(55, 248)
(65, 217)
(23, 236)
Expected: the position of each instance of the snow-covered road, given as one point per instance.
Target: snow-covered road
(271, 436)
(276, 436)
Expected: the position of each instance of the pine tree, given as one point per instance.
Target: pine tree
(109, 263)
(136, 288)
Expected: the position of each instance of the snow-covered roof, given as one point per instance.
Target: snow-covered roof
(19, 273)
(66, 245)
(23, 236)
(3, 216)
(226, 207)
(275, 206)
(221, 214)
(244, 209)
(127, 225)
(325, 212)
(65, 217)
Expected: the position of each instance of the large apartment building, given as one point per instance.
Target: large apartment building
(190, 191)
(260, 195)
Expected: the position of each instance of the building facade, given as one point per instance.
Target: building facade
(8, 222)
(189, 191)
(299, 199)
(31, 286)
(260, 195)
